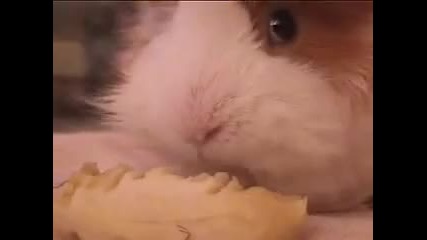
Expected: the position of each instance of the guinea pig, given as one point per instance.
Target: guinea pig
(278, 93)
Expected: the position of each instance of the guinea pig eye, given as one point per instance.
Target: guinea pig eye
(282, 26)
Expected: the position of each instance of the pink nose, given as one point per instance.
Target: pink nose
(212, 133)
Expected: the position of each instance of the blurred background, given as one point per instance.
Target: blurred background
(69, 59)
(68, 31)
(83, 43)
(87, 36)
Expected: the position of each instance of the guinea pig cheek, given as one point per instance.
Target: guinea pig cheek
(272, 124)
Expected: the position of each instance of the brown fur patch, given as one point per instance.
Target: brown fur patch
(334, 37)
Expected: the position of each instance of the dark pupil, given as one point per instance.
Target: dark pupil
(282, 25)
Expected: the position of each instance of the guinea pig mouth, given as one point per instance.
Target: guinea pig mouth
(212, 165)
(245, 177)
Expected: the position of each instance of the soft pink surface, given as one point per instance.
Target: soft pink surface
(348, 226)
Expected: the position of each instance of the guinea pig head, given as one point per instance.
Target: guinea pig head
(279, 91)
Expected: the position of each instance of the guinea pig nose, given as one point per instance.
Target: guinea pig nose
(211, 133)
(203, 135)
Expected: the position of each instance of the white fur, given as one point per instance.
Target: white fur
(281, 121)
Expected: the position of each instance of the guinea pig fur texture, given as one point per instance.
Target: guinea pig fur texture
(277, 93)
